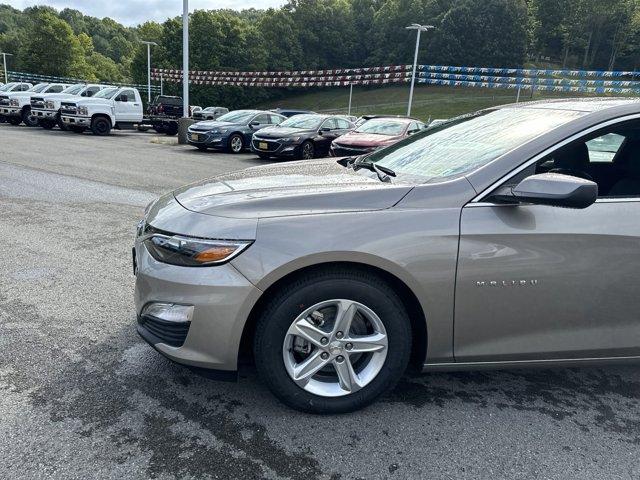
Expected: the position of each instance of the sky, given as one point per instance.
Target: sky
(134, 12)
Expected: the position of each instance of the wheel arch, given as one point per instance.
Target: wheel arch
(103, 115)
(414, 308)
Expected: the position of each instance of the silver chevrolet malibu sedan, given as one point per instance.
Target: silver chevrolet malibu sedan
(505, 238)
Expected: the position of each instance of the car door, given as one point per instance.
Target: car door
(257, 123)
(537, 282)
(328, 133)
(127, 106)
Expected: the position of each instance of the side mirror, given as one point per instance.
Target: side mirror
(552, 189)
(254, 124)
(324, 129)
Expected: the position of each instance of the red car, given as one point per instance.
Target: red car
(374, 134)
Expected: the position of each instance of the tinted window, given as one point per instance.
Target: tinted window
(330, 123)
(469, 142)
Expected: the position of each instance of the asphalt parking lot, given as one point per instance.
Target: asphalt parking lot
(81, 396)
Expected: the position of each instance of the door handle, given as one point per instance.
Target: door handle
(136, 104)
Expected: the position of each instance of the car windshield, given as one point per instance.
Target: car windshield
(107, 93)
(383, 126)
(469, 142)
(38, 88)
(73, 89)
(303, 121)
(239, 116)
(6, 87)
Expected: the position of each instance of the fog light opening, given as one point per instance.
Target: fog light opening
(169, 312)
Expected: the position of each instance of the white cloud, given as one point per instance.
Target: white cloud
(134, 12)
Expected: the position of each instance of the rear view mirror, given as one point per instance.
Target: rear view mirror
(552, 189)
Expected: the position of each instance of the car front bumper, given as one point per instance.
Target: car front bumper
(273, 148)
(207, 139)
(76, 120)
(44, 114)
(348, 151)
(221, 297)
(11, 111)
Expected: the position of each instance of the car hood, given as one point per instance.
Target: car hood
(279, 132)
(21, 95)
(57, 96)
(297, 188)
(93, 101)
(214, 124)
(366, 139)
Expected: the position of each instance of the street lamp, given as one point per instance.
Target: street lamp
(148, 44)
(4, 62)
(419, 28)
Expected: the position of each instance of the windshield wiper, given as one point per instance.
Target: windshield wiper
(384, 173)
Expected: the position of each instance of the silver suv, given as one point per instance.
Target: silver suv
(505, 238)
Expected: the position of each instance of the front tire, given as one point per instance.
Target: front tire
(100, 126)
(236, 143)
(307, 151)
(15, 121)
(333, 341)
(27, 119)
(47, 124)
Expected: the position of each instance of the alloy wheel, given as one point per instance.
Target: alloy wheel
(335, 348)
(236, 144)
(307, 151)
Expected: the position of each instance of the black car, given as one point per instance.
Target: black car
(301, 136)
(232, 131)
(290, 112)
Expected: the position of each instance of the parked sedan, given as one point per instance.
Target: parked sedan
(339, 273)
(301, 136)
(374, 134)
(232, 131)
(290, 112)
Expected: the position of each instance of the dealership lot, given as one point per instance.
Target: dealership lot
(83, 396)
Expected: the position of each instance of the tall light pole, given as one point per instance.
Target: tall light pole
(185, 58)
(420, 29)
(148, 44)
(4, 63)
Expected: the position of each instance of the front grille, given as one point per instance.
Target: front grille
(171, 333)
(271, 145)
(68, 108)
(37, 102)
(342, 149)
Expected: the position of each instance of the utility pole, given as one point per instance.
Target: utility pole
(419, 28)
(350, 95)
(148, 44)
(4, 63)
(185, 58)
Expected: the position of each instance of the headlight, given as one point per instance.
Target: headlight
(82, 111)
(49, 105)
(290, 139)
(193, 252)
(14, 103)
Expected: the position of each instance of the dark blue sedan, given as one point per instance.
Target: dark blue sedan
(232, 131)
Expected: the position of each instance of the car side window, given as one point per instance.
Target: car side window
(129, 94)
(90, 92)
(413, 128)
(23, 88)
(605, 147)
(275, 119)
(55, 89)
(330, 123)
(262, 119)
(343, 124)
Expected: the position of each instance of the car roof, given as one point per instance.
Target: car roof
(589, 105)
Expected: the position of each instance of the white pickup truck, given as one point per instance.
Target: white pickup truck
(46, 108)
(5, 90)
(19, 109)
(113, 107)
